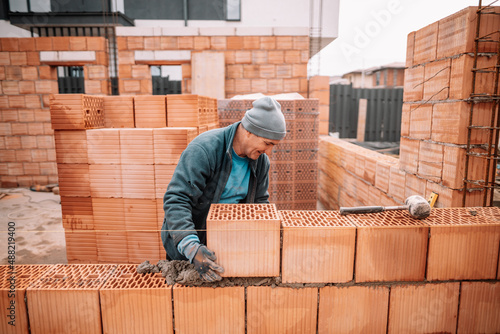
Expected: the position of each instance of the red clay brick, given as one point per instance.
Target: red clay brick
(25, 156)
(414, 84)
(73, 180)
(449, 122)
(33, 58)
(13, 73)
(437, 80)
(353, 309)
(143, 293)
(185, 42)
(52, 299)
(105, 181)
(461, 245)
(150, 111)
(60, 43)
(71, 146)
(119, 112)
(428, 308)
(391, 246)
(430, 161)
(136, 146)
(28, 142)
(26, 44)
(201, 42)
(259, 57)
(408, 155)
(250, 227)
(284, 42)
(77, 214)
(138, 181)
(143, 245)
(426, 40)
(410, 46)
(43, 44)
(19, 129)
(96, 43)
(218, 42)
(420, 125)
(33, 101)
(234, 42)
(24, 276)
(268, 42)
(479, 307)
(78, 43)
(169, 143)
(81, 246)
(18, 58)
(243, 57)
(299, 70)
(330, 257)
(17, 101)
(103, 146)
(169, 42)
(224, 309)
(281, 310)
(461, 76)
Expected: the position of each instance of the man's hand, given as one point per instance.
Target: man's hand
(204, 263)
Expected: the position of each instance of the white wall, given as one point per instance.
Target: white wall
(8, 30)
(268, 13)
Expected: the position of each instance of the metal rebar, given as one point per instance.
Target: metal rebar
(476, 41)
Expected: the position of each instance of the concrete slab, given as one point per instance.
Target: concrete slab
(35, 218)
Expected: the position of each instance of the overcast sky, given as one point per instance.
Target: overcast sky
(374, 32)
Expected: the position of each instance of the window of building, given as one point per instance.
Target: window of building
(377, 78)
(167, 79)
(233, 10)
(395, 77)
(70, 80)
(386, 72)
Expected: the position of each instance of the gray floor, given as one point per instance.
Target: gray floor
(36, 220)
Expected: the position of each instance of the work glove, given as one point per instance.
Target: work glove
(204, 263)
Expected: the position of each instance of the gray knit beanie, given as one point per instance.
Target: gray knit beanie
(265, 119)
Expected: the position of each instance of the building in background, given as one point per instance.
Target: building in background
(385, 76)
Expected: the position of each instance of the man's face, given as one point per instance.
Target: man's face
(255, 146)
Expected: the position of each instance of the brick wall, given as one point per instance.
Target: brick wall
(435, 120)
(378, 272)
(436, 111)
(270, 64)
(265, 64)
(28, 75)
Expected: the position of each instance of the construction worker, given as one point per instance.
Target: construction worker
(225, 165)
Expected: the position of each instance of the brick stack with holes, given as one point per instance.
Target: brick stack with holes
(115, 157)
(293, 176)
(377, 273)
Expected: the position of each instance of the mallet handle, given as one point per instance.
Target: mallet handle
(360, 209)
(369, 209)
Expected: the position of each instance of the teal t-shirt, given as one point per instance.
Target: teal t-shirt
(237, 185)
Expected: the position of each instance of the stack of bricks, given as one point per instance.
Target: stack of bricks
(293, 176)
(350, 175)
(379, 272)
(28, 75)
(112, 179)
(436, 113)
